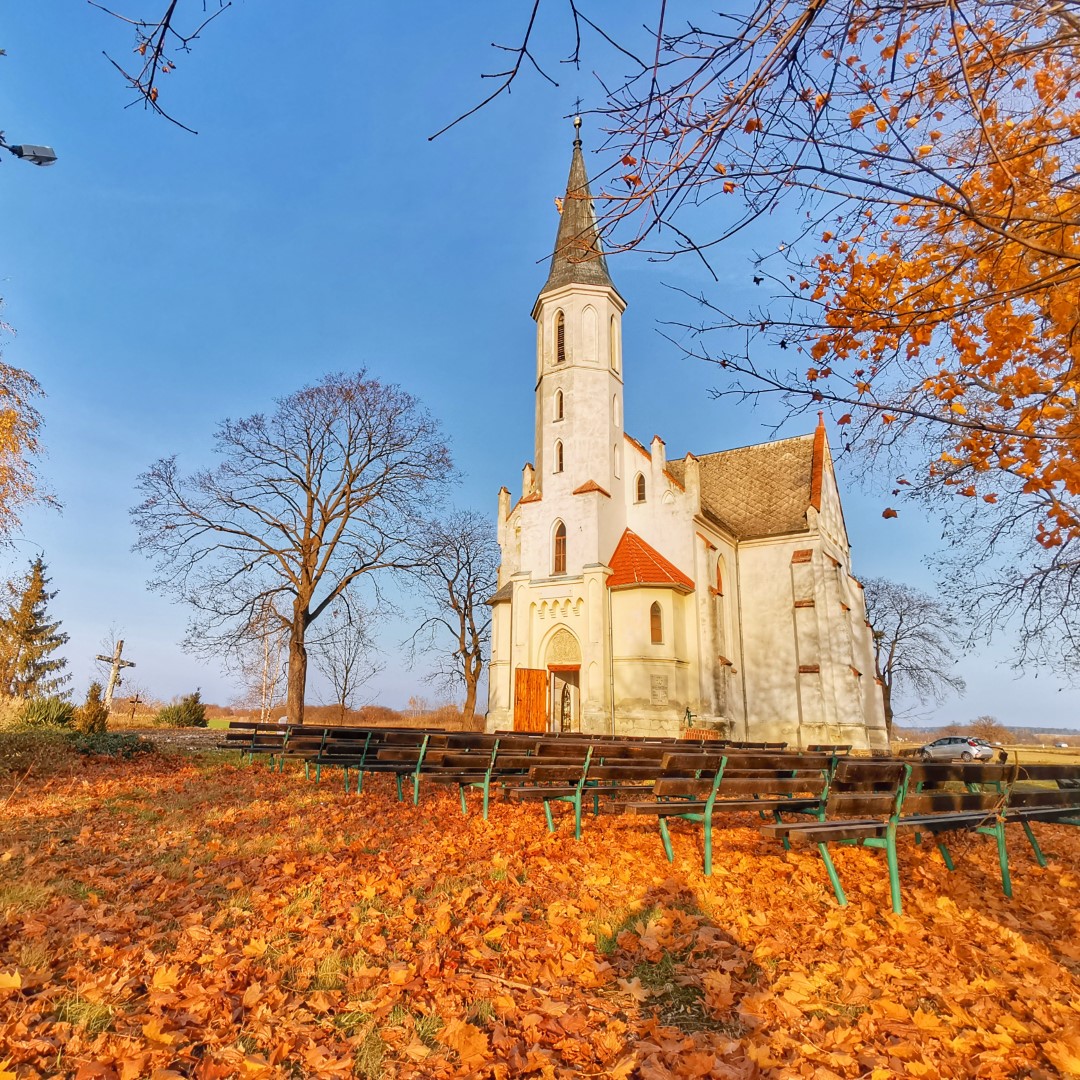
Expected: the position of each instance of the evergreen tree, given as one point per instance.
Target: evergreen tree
(28, 640)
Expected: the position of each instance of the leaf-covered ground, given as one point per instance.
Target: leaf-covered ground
(168, 917)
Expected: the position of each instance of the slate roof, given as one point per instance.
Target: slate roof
(501, 595)
(762, 490)
(578, 257)
(635, 562)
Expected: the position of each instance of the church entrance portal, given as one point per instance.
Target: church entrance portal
(565, 698)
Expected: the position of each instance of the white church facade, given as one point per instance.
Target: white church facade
(640, 595)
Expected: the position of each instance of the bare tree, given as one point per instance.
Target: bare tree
(323, 491)
(457, 562)
(260, 659)
(915, 642)
(343, 651)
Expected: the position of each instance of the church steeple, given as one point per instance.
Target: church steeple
(578, 258)
(579, 391)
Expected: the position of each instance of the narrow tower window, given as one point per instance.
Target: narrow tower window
(558, 405)
(558, 561)
(656, 625)
(613, 343)
(558, 457)
(560, 338)
(639, 488)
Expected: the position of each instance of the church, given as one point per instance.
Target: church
(639, 595)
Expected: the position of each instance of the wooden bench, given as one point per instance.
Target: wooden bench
(698, 787)
(1032, 799)
(870, 802)
(474, 767)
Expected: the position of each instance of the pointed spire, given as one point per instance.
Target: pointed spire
(578, 257)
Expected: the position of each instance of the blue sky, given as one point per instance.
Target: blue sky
(160, 282)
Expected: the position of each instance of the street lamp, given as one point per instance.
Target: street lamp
(36, 155)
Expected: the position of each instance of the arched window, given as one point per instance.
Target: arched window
(558, 405)
(639, 488)
(560, 338)
(558, 457)
(558, 560)
(613, 343)
(656, 624)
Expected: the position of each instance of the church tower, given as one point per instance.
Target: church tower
(579, 386)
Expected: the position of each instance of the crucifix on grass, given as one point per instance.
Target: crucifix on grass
(114, 671)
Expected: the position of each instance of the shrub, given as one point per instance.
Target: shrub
(47, 712)
(189, 711)
(92, 716)
(113, 743)
(43, 749)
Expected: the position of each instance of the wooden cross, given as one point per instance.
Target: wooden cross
(114, 672)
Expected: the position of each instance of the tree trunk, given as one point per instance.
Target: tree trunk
(886, 698)
(297, 668)
(469, 708)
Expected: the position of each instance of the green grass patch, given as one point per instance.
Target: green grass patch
(92, 1016)
(608, 923)
(369, 1056)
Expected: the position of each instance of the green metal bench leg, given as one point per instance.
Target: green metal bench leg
(464, 808)
(708, 845)
(894, 873)
(596, 805)
(416, 788)
(487, 785)
(1003, 858)
(945, 855)
(918, 840)
(547, 814)
(665, 837)
(359, 780)
(577, 816)
(400, 794)
(307, 770)
(834, 877)
(1040, 858)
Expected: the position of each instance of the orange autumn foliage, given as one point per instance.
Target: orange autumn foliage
(175, 919)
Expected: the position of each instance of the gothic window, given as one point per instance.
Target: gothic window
(656, 625)
(613, 343)
(558, 561)
(558, 457)
(558, 405)
(560, 338)
(639, 488)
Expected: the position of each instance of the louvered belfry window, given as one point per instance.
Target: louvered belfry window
(560, 339)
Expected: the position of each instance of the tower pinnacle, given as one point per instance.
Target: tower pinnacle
(578, 257)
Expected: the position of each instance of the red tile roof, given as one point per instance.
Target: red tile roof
(636, 563)
(590, 485)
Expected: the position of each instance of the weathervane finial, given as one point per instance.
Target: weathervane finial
(577, 125)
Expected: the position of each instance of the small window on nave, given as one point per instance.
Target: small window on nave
(656, 624)
(639, 488)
